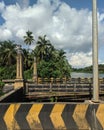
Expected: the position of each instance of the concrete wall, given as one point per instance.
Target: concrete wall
(12, 96)
(51, 116)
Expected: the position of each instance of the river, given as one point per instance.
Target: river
(84, 75)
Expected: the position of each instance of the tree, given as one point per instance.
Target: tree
(28, 59)
(7, 53)
(62, 63)
(51, 62)
(48, 69)
(28, 39)
(43, 48)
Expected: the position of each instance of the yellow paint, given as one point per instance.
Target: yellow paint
(32, 117)
(9, 117)
(56, 116)
(79, 116)
(100, 114)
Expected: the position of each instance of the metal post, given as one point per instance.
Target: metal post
(95, 51)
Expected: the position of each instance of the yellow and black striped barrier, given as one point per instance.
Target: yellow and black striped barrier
(57, 116)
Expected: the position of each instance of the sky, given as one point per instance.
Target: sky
(67, 24)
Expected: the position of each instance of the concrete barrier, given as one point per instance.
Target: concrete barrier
(51, 116)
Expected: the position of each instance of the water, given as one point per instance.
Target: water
(84, 75)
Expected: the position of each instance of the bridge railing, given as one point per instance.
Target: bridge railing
(63, 85)
(56, 85)
(65, 80)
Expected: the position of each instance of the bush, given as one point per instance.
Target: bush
(8, 72)
(1, 87)
(28, 74)
(1, 84)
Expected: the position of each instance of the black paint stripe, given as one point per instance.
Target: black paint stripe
(91, 117)
(44, 117)
(21, 114)
(3, 109)
(67, 116)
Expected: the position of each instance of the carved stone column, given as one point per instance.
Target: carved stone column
(35, 71)
(19, 81)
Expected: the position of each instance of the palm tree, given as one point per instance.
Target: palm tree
(28, 39)
(62, 54)
(7, 53)
(43, 48)
(61, 60)
(58, 55)
(28, 59)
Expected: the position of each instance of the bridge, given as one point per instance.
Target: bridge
(88, 115)
(64, 89)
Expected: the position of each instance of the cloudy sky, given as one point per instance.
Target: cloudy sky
(67, 24)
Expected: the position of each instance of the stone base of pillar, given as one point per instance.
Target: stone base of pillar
(34, 79)
(18, 83)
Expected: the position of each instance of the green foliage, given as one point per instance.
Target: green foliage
(52, 69)
(50, 61)
(1, 84)
(8, 72)
(101, 68)
(7, 53)
(28, 74)
(51, 99)
(43, 49)
(47, 69)
(1, 87)
(28, 39)
(89, 69)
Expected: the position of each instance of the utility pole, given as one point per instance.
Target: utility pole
(95, 51)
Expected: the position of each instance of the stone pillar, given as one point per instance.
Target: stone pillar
(19, 81)
(35, 71)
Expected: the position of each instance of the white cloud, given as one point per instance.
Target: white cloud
(2, 6)
(66, 27)
(20, 33)
(5, 34)
(80, 59)
(23, 3)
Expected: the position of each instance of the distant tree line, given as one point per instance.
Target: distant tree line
(51, 62)
(89, 69)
